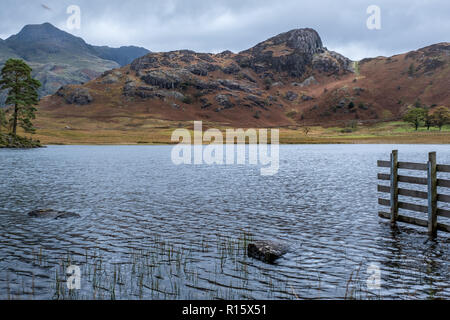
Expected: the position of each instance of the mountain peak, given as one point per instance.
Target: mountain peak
(302, 39)
(294, 52)
(123, 55)
(305, 40)
(58, 57)
(37, 42)
(35, 32)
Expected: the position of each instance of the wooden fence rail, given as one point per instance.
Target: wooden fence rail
(431, 195)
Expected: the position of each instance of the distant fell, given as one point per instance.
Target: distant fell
(59, 58)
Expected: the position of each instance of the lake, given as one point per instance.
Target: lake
(153, 230)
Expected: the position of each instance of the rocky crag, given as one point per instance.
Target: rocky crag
(288, 80)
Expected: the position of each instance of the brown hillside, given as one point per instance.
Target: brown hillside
(383, 88)
(288, 80)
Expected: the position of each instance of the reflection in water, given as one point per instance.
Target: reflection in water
(150, 229)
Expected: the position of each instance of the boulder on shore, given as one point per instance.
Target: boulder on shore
(267, 251)
(52, 214)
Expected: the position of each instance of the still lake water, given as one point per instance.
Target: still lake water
(150, 229)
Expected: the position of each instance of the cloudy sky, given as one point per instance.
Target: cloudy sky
(217, 25)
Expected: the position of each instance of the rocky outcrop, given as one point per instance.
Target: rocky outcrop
(294, 64)
(167, 79)
(75, 95)
(293, 52)
(256, 101)
(225, 54)
(301, 40)
(172, 94)
(148, 61)
(205, 103)
(231, 69)
(291, 96)
(235, 85)
(199, 70)
(267, 251)
(202, 68)
(331, 62)
(289, 52)
(205, 57)
(307, 82)
(224, 101)
(52, 214)
(111, 77)
(206, 85)
(247, 77)
(131, 89)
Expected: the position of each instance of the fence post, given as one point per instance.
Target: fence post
(432, 195)
(394, 186)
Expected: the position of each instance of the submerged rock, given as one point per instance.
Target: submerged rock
(52, 214)
(267, 251)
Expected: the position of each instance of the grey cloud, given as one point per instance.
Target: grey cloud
(216, 25)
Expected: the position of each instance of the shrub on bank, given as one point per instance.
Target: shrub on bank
(9, 140)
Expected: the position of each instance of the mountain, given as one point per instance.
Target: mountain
(288, 80)
(45, 43)
(6, 52)
(123, 55)
(59, 58)
(384, 87)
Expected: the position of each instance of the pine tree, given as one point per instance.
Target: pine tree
(22, 94)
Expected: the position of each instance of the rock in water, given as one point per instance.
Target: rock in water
(266, 251)
(52, 214)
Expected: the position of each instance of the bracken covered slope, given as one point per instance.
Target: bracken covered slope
(288, 80)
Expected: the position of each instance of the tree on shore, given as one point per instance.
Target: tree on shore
(428, 120)
(441, 117)
(22, 94)
(415, 116)
(306, 130)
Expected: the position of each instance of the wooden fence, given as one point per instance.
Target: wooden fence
(432, 195)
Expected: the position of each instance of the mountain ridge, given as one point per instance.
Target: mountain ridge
(59, 58)
(287, 80)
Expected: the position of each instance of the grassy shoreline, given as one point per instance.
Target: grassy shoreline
(160, 134)
(9, 140)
